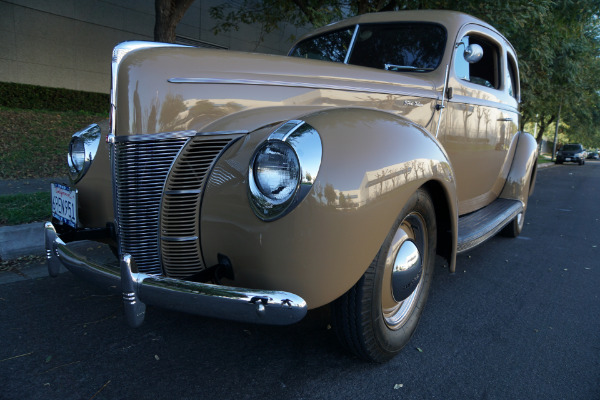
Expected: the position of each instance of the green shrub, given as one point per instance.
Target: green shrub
(18, 95)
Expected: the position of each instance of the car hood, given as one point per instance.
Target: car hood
(178, 88)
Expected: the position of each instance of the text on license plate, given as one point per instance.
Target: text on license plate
(64, 204)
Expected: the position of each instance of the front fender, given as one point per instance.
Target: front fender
(372, 163)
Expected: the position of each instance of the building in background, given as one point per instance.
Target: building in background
(68, 43)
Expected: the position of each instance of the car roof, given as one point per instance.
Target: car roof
(452, 20)
(446, 17)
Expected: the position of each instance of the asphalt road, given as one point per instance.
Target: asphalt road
(519, 320)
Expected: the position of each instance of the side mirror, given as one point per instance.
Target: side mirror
(473, 53)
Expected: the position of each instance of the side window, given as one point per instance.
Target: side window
(512, 80)
(332, 46)
(485, 72)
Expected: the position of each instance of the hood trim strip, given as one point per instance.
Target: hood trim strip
(295, 84)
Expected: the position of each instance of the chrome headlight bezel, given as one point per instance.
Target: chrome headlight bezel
(305, 144)
(82, 151)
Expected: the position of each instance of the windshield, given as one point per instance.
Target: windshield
(399, 46)
(571, 147)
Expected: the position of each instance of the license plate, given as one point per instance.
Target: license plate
(567, 158)
(64, 204)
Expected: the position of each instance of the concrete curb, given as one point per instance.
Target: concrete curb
(546, 165)
(22, 240)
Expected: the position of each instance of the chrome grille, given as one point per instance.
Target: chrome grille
(180, 210)
(158, 186)
(141, 168)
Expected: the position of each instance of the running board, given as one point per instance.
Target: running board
(479, 226)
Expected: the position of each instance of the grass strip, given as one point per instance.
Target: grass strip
(35, 143)
(18, 209)
(544, 158)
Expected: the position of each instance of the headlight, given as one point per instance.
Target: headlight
(579, 155)
(276, 171)
(283, 169)
(76, 155)
(82, 151)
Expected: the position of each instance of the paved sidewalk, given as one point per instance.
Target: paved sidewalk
(22, 186)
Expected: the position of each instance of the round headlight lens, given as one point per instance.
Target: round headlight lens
(77, 155)
(277, 171)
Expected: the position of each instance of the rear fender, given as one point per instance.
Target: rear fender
(372, 163)
(521, 178)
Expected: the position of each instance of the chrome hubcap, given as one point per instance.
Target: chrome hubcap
(406, 272)
(403, 275)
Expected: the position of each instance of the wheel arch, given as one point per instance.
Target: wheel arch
(446, 221)
(521, 177)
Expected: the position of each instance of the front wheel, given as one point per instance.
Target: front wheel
(377, 317)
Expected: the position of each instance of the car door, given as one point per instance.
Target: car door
(482, 118)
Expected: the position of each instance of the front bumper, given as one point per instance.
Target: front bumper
(563, 158)
(94, 262)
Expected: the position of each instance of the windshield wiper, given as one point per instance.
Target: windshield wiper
(399, 68)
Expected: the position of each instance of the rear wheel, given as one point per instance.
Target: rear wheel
(514, 227)
(378, 316)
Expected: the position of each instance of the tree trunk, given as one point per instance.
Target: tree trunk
(543, 125)
(168, 13)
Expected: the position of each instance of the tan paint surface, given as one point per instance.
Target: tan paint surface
(320, 249)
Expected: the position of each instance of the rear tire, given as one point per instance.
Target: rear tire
(514, 227)
(377, 317)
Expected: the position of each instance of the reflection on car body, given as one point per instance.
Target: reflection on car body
(254, 187)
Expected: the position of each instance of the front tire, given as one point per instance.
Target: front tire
(377, 317)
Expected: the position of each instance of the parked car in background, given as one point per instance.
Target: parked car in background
(571, 153)
(593, 155)
(255, 187)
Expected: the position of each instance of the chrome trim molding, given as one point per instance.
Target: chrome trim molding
(261, 82)
(442, 106)
(306, 143)
(91, 139)
(138, 289)
(118, 53)
(171, 135)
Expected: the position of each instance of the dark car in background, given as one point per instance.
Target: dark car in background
(571, 153)
(593, 155)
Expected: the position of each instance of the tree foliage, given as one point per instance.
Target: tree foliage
(557, 41)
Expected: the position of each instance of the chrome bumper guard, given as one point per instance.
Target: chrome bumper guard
(139, 289)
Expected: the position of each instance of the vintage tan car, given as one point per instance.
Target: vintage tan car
(255, 187)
